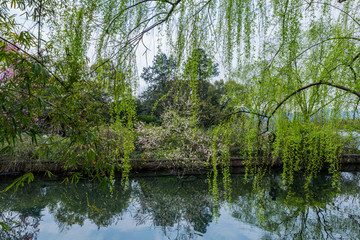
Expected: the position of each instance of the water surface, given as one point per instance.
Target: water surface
(183, 208)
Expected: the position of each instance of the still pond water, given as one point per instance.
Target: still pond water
(183, 208)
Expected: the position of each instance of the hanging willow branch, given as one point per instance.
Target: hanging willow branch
(134, 41)
(245, 111)
(306, 87)
(320, 83)
(136, 4)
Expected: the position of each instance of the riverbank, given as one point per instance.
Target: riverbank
(158, 167)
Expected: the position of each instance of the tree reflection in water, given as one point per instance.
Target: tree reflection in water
(183, 208)
(318, 213)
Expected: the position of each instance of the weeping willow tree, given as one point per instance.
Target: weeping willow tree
(74, 63)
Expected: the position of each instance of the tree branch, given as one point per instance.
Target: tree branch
(250, 112)
(136, 39)
(306, 87)
(134, 5)
(38, 61)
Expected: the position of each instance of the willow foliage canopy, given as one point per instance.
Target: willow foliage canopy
(76, 62)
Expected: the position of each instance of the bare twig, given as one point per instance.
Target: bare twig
(132, 6)
(137, 39)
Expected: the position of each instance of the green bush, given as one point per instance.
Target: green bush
(148, 119)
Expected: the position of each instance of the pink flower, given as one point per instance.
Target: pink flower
(6, 74)
(11, 47)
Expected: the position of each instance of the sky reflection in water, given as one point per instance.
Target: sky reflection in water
(171, 208)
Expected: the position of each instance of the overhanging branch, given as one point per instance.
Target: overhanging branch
(306, 87)
(36, 60)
